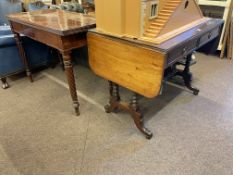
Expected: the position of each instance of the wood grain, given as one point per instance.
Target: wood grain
(61, 30)
(134, 67)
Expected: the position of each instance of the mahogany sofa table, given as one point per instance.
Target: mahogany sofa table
(59, 29)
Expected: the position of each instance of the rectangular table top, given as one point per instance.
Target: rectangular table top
(55, 21)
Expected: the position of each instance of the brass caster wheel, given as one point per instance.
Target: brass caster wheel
(148, 134)
(5, 86)
(77, 112)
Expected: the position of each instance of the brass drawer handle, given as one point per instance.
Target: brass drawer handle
(184, 52)
(209, 35)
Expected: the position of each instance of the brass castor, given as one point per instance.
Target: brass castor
(77, 112)
(5, 85)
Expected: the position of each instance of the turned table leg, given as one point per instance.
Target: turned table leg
(187, 76)
(114, 98)
(71, 80)
(132, 107)
(23, 55)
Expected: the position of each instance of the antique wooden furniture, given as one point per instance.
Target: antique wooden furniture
(130, 60)
(141, 66)
(59, 29)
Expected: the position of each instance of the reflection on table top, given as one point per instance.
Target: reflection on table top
(56, 21)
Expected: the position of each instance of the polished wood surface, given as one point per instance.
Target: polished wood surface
(137, 68)
(141, 66)
(61, 43)
(55, 21)
(59, 29)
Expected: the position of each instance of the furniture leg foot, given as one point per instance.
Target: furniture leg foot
(112, 106)
(194, 90)
(138, 120)
(187, 76)
(76, 108)
(138, 117)
(5, 85)
(29, 74)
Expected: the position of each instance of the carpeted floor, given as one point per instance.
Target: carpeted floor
(193, 135)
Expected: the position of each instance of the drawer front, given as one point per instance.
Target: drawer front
(208, 37)
(188, 47)
(181, 51)
(38, 35)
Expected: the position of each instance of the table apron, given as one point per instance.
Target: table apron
(62, 43)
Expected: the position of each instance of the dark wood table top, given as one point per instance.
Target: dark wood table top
(55, 21)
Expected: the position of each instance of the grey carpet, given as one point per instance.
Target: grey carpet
(193, 135)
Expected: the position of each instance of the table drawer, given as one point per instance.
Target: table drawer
(208, 37)
(187, 47)
(181, 51)
(36, 34)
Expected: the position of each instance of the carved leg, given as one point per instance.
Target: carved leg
(114, 98)
(5, 85)
(23, 55)
(71, 80)
(187, 76)
(133, 108)
(187, 81)
(138, 118)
